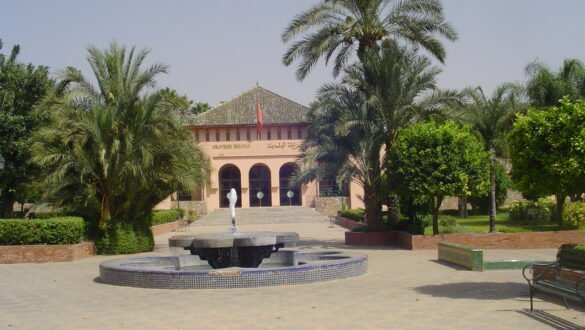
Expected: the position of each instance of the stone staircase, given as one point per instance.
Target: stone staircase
(262, 215)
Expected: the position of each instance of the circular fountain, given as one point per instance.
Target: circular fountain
(233, 259)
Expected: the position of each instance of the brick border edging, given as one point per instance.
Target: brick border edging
(18, 254)
(527, 240)
(13, 254)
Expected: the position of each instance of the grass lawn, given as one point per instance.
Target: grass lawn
(481, 224)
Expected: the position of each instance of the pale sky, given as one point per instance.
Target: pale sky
(218, 49)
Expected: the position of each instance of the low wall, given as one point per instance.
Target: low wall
(348, 223)
(12, 254)
(164, 228)
(528, 240)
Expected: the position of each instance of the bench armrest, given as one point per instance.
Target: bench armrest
(530, 276)
(580, 287)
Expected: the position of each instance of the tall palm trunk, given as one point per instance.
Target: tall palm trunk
(373, 206)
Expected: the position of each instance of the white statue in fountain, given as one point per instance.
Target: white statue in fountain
(233, 198)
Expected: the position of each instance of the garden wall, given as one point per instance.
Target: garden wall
(11, 254)
(528, 240)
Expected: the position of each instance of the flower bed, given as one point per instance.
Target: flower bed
(526, 240)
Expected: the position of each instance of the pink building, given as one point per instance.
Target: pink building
(253, 142)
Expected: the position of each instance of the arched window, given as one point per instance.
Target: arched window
(288, 195)
(260, 194)
(229, 177)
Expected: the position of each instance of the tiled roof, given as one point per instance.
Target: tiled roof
(241, 110)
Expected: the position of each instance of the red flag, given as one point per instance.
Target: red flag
(259, 120)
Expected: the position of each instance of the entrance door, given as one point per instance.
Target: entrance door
(229, 177)
(286, 190)
(260, 194)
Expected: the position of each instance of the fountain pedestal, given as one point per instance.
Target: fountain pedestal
(245, 250)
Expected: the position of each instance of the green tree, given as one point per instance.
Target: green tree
(402, 89)
(345, 139)
(491, 118)
(435, 161)
(181, 103)
(547, 150)
(199, 107)
(22, 86)
(113, 151)
(546, 87)
(343, 26)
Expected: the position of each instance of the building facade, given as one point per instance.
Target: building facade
(253, 142)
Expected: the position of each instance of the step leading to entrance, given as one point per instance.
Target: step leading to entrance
(262, 215)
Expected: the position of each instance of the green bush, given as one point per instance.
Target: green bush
(447, 225)
(122, 238)
(353, 214)
(574, 214)
(573, 255)
(532, 213)
(66, 230)
(164, 216)
(417, 225)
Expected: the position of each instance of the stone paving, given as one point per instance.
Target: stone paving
(402, 290)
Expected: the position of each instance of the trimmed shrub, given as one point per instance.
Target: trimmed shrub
(532, 213)
(353, 214)
(447, 225)
(65, 230)
(122, 238)
(574, 215)
(163, 216)
(573, 255)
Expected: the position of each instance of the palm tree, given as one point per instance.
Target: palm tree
(547, 88)
(345, 139)
(343, 26)
(492, 118)
(114, 151)
(402, 86)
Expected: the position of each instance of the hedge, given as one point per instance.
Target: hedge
(64, 230)
(123, 238)
(163, 216)
(352, 214)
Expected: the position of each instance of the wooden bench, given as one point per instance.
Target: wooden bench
(564, 278)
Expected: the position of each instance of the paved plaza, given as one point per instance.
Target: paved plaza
(402, 290)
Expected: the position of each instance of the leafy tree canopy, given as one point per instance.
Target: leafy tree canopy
(546, 87)
(22, 86)
(547, 149)
(435, 161)
(347, 27)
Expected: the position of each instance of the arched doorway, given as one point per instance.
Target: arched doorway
(285, 173)
(229, 177)
(260, 186)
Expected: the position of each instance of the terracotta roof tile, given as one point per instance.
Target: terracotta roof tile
(241, 110)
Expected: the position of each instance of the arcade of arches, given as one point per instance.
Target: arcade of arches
(259, 192)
